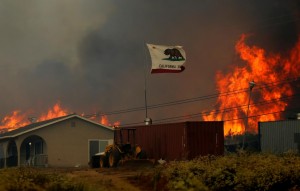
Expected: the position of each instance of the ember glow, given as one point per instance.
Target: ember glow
(18, 119)
(263, 68)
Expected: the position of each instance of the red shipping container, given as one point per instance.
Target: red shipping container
(179, 141)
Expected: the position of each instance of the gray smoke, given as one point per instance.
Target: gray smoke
(90, 55)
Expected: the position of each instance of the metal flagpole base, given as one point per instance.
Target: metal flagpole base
(148, 121)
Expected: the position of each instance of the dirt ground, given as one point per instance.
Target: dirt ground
(129, 178)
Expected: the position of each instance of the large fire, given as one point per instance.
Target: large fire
(18, 119)
(265, 102)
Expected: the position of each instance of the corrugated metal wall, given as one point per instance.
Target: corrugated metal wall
(161, 141)
(205, 138)
(279, 136)
(178, 141)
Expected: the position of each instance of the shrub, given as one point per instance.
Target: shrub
(30, 179)
(241, 171)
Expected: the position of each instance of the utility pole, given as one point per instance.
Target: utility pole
(251, 86)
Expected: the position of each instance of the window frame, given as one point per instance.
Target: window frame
(109, 141)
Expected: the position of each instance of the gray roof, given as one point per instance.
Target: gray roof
(41, 124)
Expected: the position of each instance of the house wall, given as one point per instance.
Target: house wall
(67, 141)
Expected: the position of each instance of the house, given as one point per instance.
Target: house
(66, 141)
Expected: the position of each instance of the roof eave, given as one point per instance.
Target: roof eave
(56, 121)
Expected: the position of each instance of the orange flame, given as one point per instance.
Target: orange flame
(17, 119)
(104, 121)
(56, 111)
(264, 69)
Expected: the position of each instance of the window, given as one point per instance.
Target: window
(98, 146)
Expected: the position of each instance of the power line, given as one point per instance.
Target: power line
(254, 116)
(235, 119)
(213, 112)
(195, 99)
(189, 100)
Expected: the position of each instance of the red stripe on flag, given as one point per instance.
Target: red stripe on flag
(155, 71)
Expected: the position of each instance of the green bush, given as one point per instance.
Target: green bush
(241, 172)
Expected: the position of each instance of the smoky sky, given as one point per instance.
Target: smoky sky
(90, 55)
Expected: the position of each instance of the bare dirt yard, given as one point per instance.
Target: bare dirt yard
(131, 178)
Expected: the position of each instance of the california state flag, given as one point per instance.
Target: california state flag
(167, 59)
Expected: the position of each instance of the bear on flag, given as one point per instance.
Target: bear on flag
(167, 59)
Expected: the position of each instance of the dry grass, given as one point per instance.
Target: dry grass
(242, 171)
(73, 179)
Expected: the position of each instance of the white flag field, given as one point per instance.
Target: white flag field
(167, 59)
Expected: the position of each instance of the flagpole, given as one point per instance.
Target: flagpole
(145, 89)
(148, 121)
